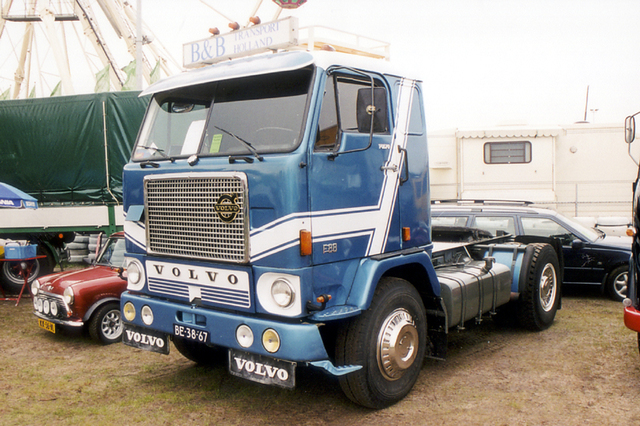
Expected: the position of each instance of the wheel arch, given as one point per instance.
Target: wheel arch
(97, 305)
(416, 268)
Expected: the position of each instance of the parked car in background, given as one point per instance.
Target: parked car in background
(590, 256)
(88, 297)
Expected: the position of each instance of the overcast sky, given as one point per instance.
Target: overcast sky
(483, 62)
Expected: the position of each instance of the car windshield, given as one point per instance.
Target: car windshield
(260, 114)
(113, 253)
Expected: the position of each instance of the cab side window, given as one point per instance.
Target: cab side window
(328, 124)
(339, 110)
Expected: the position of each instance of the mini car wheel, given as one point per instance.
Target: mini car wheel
(617, 283)
(105, 325)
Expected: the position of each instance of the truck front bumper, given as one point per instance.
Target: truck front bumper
(299, 342)
(632, 318)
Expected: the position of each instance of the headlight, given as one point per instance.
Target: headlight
(129, 311)
(270, 340)
(68, 296)
(45, 307)
(54, 308)
(135, 275)
(282, 293)
(147, 315)
(35, 286)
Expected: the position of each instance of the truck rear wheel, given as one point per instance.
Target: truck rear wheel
(389, 341)
(540, 294)
(199, 352)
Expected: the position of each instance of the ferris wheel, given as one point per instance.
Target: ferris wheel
(66, 47)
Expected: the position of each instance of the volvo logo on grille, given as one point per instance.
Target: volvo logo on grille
(227, 207)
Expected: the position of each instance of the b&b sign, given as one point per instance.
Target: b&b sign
(255, 39)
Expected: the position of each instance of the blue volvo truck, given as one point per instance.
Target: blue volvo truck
(278, 215)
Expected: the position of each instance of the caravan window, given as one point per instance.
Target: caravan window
(507, 152)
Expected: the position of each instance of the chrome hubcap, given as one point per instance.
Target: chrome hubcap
(548, 287)
(397, 344)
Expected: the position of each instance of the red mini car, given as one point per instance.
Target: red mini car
(89, 297)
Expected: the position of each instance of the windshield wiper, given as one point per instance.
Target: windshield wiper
(245, 143)
(159, 151)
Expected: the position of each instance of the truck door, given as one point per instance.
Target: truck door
(352, 206)
(411, 141)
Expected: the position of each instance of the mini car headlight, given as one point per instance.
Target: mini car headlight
(270, 340)
(68, 296)
(147, 315)
(282, 293)
(35, 286)
(129, 311)
(244, 336)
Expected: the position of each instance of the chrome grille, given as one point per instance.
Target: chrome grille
(197, 216)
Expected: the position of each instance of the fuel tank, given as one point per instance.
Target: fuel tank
(472, 289)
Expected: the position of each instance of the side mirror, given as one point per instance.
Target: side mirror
(577, 244)
(376, 107)
(630, 129)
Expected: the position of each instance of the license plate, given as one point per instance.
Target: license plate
(192, 334)
(143, 338)
(262, 369)
(47, 325)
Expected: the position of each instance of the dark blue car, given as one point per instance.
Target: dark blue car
(590, 256)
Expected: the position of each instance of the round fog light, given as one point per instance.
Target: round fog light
(244, 336)
(39, 305)
(45, 306)
(270, 340)
(54, 309)
(129, 311)
(147, 315)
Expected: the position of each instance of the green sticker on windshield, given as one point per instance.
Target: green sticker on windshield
(215, 143)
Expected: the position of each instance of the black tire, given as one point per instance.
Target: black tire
(396, 313)
(617, 282)
(540, 287)
(11, 272)
(199, 352)
(105, 325)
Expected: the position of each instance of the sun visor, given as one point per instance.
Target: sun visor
(246, 67)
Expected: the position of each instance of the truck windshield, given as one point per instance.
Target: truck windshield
(261, 114)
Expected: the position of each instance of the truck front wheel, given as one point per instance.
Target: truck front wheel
(540, 295)
(389, 341)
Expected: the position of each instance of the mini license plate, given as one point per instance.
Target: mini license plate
(262, 369)
(189, 333)
(143, 338)
(47, 325)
